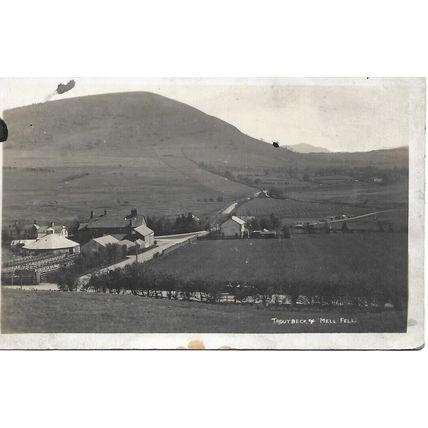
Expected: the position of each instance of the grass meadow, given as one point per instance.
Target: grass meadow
(374, 261)
(57, 312)
(292, 209)
(155, 189)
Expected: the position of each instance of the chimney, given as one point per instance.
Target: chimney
(52, 224)
(105, 211)
(134, 212)
(34, 221)
(92, 214)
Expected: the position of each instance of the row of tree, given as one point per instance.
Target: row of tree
(67, 277)
(140, 280)
(182, 224)
(388, 175)
(271, 222)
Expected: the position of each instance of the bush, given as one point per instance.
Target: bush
(67, 280)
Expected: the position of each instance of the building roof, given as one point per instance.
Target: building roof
(106, 240)
(51, 242)
(118, 236)
(56, 229)
(237, 220)
(143, 230)
(115, 222)
(17, 242)
(128, 243)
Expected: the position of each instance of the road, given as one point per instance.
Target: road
(342, 220)
(163, 243)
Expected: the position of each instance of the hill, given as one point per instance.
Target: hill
(124, 127)
(105, 129)
(307, 148)
(66, 157)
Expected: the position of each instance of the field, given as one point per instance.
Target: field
(376, 196)
(58, 312)
(292, 209)
(64, 193)
(353, 261)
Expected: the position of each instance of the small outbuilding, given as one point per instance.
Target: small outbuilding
(95, 245)
(234, 227)
(145, 234)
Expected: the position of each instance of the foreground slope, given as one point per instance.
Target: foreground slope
(58, 312)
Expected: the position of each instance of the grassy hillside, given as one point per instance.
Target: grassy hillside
(57, 312)
(307, 148)
(108, 128)
(113, 151)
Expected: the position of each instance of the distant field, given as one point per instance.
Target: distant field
(153, 187)
(374, 196)
(289, 208)
(373, 260)
(396, 219)
(58, 312)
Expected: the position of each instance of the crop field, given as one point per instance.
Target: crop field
(292, 209)
(353, 261)
(60, 312)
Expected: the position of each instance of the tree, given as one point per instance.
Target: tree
(326, 228)
(265, 291)
(264, 223)
(294, 293)
(274, 192)
(345, 228)
(67, 280)
(286, 232)
(275, 222)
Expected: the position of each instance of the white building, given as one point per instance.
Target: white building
(53, 244)
(233, 227)
(145, 234)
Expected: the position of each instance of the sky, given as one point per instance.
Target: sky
(355, 114)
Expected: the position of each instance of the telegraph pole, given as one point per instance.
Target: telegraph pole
(136, 252)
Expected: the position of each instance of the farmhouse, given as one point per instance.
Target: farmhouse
(107, 224)
(262, 194)
(52, 243)
(42, 231)
(34, 231)
(233, 227)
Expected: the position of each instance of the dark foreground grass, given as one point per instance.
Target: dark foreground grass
(60, 312)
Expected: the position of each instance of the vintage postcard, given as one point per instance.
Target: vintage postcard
(271, 213)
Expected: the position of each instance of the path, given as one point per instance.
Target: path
(358, 216)
(163, 243)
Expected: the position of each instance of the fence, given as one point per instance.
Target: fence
(41, 263)
(28, 277)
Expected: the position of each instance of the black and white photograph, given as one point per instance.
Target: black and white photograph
(212, 208)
